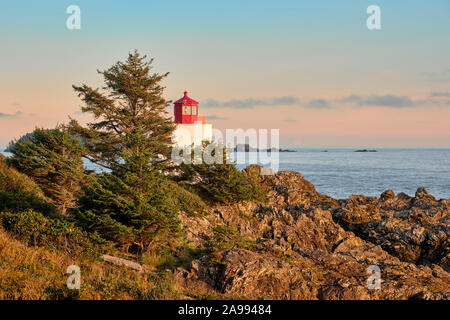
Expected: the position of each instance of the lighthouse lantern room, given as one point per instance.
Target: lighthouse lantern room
(186, 110)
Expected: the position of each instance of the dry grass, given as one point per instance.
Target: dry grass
(35, 273)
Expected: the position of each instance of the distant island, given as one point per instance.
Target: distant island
(366, 150)
(247, 148)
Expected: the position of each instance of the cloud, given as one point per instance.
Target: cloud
(395, 101)
(251, 102)
(353, 98)
(437, 76)
(214, 117)
(317, 104)
(386, 101)
(440, 94)
(438, 98)
(14, 115)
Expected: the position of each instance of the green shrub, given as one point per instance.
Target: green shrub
(20, 193)
(22, 201)
(221, 181)
(38, 230)
(12, 181)
(112, 207)
(257, 182)
(227, 237)
(185, 199)
(53, 159)
(224, 183)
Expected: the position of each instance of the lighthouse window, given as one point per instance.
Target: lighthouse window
(186, 110)
(194, 110)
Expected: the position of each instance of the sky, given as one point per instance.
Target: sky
(311, 69)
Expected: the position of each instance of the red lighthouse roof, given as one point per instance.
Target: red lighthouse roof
(185, 110)
(186, 100)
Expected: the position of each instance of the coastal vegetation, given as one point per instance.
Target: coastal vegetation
(145, 228)
(52, 206)
(53, 159)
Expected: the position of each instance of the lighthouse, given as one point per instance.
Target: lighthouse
(191, 128)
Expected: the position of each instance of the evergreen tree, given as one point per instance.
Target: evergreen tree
(132, 136)
(222, 181)
(53, 159)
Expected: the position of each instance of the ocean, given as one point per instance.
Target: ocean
(341, 173)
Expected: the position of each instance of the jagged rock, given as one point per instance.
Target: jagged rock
(388, 194)
(341, 292)
(306, 245)
(255, 275)
(188, 280)
(432, 296)
(413, 229)
(421, 192)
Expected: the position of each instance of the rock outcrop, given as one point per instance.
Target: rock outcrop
(301, 244)
(413, 229)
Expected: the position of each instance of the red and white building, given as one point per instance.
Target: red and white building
(191, 128)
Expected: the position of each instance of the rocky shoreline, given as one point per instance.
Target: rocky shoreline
(301, 244)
